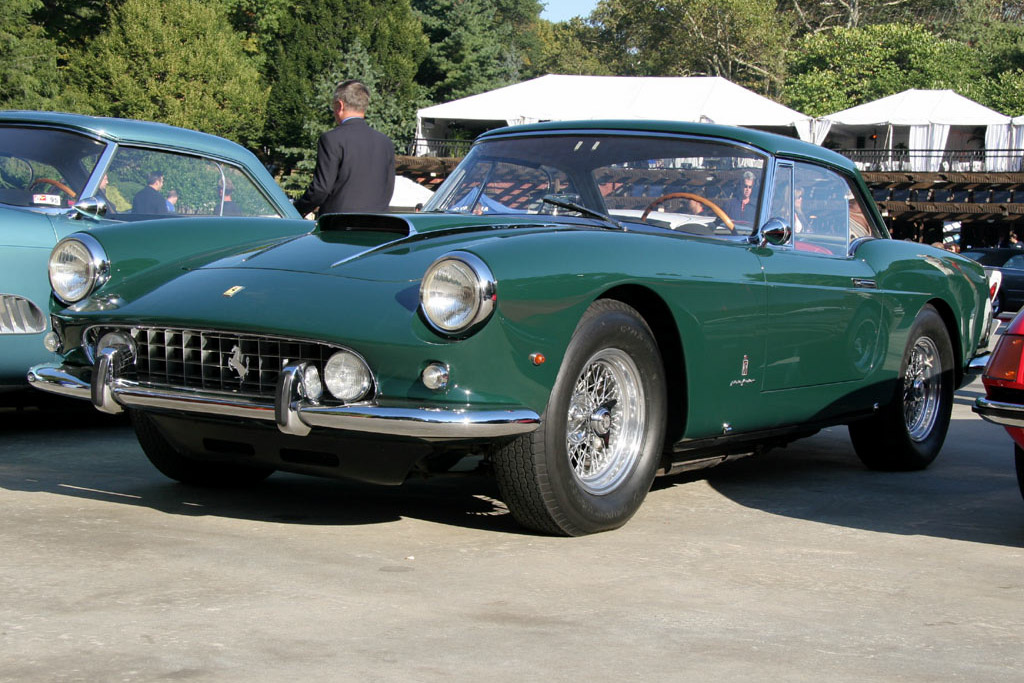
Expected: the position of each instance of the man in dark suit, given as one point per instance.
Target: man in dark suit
(148, 199)
(355, 164)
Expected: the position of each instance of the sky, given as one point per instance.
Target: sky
(560, 10)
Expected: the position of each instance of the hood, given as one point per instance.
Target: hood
(23, 228)
(381, 247)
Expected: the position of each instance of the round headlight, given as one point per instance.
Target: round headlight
(346, 376)
(457, 293)
(77, 266)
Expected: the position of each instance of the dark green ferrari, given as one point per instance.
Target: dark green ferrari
(581, 305)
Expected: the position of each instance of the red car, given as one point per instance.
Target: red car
(1004, 388)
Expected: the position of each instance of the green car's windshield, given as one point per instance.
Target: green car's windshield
(44, 168)
(680, 183)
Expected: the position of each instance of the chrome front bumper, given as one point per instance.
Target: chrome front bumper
(999, 412)
(292, 414)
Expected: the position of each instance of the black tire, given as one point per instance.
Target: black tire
(908, 433)
(611, 390)
(179, 466)
(1018, 454)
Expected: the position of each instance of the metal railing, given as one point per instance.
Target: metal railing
(935, 160)
(438, 147)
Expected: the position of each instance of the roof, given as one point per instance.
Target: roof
(130, 131)
(920, 107)
(557, 97)
(771, 143)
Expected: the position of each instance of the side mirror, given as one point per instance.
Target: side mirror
(91, 207)
(775, 232)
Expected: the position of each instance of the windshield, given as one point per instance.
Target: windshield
(696, 185)
(43, 168)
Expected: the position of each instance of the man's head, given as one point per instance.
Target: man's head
(351, 98)
(155, 180)
(748, 184)
(172, 196)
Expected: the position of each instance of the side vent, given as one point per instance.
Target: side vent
(18, 315)
(365, 222)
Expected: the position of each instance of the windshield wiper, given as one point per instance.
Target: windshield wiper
(579, 208)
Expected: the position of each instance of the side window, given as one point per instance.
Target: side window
(782, 195)
(151, 183)
(828, 212)
(1015, 262)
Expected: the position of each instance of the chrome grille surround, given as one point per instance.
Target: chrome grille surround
(18, 315)
(214, 361)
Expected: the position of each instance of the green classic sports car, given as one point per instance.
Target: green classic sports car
(582, 306)
(64, 173)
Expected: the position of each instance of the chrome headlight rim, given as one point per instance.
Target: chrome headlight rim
(98, 267)
(485, 287)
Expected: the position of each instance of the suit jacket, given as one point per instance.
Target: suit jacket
(355, 171)
(148, 200)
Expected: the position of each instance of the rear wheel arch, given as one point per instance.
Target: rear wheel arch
(945, 311)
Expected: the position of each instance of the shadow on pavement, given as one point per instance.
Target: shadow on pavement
(81, 455)
(970, 493)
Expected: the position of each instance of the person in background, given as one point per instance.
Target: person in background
(172, 201)
(355, 164)
(148, 200)
(102, 194)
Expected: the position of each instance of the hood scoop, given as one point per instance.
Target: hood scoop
(365, 222)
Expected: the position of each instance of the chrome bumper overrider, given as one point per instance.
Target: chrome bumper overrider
(1000, 413)
(292, 414)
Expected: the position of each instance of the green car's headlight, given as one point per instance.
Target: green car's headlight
(78, 265)
(458, 293)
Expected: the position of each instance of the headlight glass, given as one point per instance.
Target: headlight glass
(346, 376)
(77, 266)
(457, 293)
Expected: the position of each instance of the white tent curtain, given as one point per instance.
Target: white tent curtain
(813, 130)
(928, 137)
(999, 139)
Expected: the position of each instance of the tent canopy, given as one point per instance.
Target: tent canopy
(565, 98)
(917, 108)
(925, 123)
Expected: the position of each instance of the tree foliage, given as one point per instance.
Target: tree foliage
(28, 59)
(477, 45)
(841, 68)
(742, 40)
(372, 40)
(175, 61)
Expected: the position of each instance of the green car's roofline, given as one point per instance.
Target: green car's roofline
(772, 143)
(127, 131)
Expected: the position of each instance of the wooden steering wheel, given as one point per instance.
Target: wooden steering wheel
(726, 221)
(56, 183)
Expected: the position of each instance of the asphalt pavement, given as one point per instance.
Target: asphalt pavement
(796, 566)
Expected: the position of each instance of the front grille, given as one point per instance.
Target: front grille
(18, 315)
(215, 361)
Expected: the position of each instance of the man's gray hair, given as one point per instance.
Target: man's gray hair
(354, 94)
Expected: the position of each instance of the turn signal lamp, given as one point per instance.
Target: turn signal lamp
(1005, 366)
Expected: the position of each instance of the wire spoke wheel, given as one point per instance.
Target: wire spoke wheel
(922, 389)
(605, 421)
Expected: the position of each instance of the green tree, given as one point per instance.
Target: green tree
(841, 68)
(571, 47)
(477, 45)
(28, 59)
(377, 41)
(742, 40)
(814, 16)
(177, 62)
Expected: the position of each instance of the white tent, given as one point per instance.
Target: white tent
(571, 98)
(922, 120)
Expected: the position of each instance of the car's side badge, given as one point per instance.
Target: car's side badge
(234, 290)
